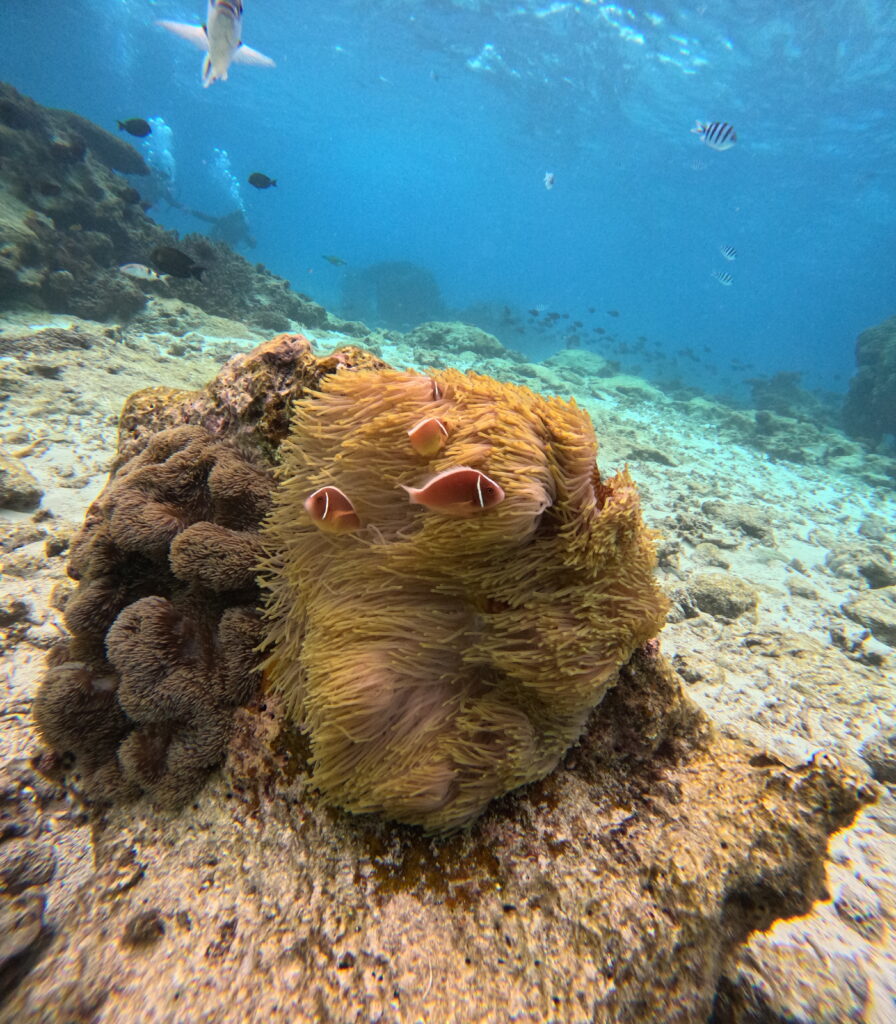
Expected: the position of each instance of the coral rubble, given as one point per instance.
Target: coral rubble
(437, 663)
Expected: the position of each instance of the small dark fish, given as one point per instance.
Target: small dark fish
(612, 312)
(591, 309)
(716, 134)
(728, 251)
(259, 180)
(337, 261)
(723, 277)
(598, 330)
(135, 126)
(533, 312)
(176, 263)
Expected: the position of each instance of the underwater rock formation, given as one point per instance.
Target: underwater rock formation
(392, 294)
(439, 661)
(617, 889)
(869, 411)
(69, 221)
(437, 344)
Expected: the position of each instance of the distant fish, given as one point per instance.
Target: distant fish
(135, 126)
(549, 180)
(716, 134)
(337, 261)
(723, 277)
(222, 37)
(457, 492)
(259, 180)
(428, 436)
(612, 312)
(591, 309)
(176, 263)
(728, 251)
(332, 511)
(141, 272)
(533, 312)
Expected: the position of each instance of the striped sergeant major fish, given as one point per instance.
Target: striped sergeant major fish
(723, 277)
(728, 251)
(716, 134)
(221, 36)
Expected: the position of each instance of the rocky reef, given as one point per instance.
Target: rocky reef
(395, 294)
(869, 411)
(67, 228)
(622, 886)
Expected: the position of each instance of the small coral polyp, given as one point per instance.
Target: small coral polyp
(437, 661)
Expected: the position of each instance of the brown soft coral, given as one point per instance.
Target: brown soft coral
(437, 662)
(163, 619)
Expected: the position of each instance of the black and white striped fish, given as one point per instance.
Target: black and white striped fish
(716, 134)
(728, 251)
(723, 277)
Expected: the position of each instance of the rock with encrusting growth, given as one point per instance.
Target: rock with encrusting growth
(722, 595)
(18, 488)
(642, 864)
(876, 611)
(21, 925)
(143, 929)
(25, 863)
(251, 398)
(869, 411)
(879, 753)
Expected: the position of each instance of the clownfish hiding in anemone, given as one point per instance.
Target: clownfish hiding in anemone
(457, 492)
(331, 510)
(428, 436)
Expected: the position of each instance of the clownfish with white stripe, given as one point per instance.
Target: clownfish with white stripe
(222, 37)
(457, 492)
(428, 436)
(332, 511)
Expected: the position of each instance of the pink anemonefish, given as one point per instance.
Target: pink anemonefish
(428, 436)
(457, 492)
(332, 511)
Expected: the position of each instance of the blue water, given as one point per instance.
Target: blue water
(422, 132)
